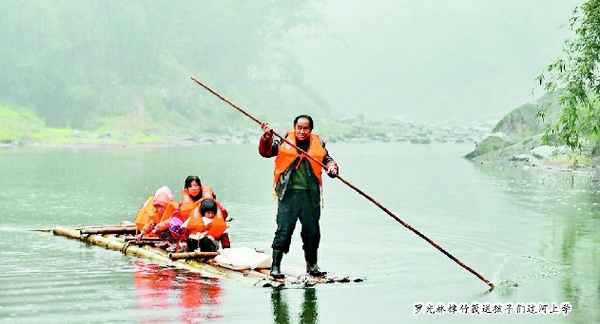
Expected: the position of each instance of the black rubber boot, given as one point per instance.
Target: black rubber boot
(311, 264)
(276, 266)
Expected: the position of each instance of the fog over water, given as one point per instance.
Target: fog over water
(436, 60)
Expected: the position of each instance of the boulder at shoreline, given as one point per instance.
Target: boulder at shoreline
(517, 139)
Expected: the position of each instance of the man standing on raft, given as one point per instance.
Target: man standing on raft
(297, 182)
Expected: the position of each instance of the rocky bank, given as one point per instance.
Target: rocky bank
(517, 139)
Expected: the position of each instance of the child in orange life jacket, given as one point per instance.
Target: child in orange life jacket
(205, 234)
(191, 195)
(155, 217)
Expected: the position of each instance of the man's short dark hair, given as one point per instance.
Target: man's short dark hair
(311, 124)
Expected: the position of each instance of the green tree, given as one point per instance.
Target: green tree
(577, 75)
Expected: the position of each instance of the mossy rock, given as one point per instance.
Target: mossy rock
(523, 121)
(493, 142)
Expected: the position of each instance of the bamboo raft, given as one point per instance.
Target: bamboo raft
(115, 238)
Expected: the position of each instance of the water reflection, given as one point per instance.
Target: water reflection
(309, 313)
(166, 295)
(567, 205)
(152, 288)
(534, 232)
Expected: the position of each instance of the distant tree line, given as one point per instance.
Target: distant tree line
(87, 63)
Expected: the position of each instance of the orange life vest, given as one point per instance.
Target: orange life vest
(188, 204)
(195, 223)
(288, 154)
(215, 228)
(147, 214)
(166, 216)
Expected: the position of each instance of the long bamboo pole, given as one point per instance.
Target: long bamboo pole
(110, 230)
(192, 255)
(362, 193)
(85, 228)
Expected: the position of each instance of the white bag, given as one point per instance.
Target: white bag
(243, 258)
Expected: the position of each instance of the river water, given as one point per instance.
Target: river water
(531, 232)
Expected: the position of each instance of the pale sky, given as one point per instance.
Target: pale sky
(436, 60)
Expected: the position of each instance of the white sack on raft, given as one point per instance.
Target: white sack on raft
(243, 258)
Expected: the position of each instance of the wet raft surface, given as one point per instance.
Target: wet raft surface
(205, 266)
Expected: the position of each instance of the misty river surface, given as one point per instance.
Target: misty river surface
(533, 232)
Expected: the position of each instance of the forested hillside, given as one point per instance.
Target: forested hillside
(126, 65)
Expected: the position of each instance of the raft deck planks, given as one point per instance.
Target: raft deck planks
(258, 278)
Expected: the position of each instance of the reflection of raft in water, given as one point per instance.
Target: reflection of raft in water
(207, 264)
